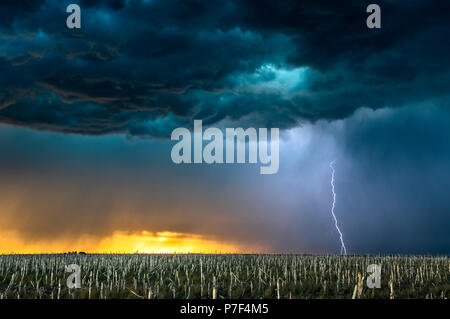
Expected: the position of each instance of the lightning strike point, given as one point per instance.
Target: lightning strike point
(343, 249)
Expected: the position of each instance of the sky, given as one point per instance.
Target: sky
(86, 117)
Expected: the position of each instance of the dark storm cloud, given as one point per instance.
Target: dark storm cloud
(394, 186)
(11, 10)
(145, 67)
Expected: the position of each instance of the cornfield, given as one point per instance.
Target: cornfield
(145, 276)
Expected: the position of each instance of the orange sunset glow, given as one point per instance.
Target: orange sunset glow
(119, 242)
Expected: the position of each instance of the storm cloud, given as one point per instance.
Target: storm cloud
(145, 67)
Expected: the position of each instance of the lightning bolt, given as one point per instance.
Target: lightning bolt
(343, 249)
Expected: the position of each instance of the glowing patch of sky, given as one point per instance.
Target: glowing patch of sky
(268, 78)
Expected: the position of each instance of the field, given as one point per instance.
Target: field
(222, 276)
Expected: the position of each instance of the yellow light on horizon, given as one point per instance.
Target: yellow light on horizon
(119, 242)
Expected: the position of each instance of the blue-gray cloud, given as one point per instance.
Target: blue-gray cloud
(137, 64)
